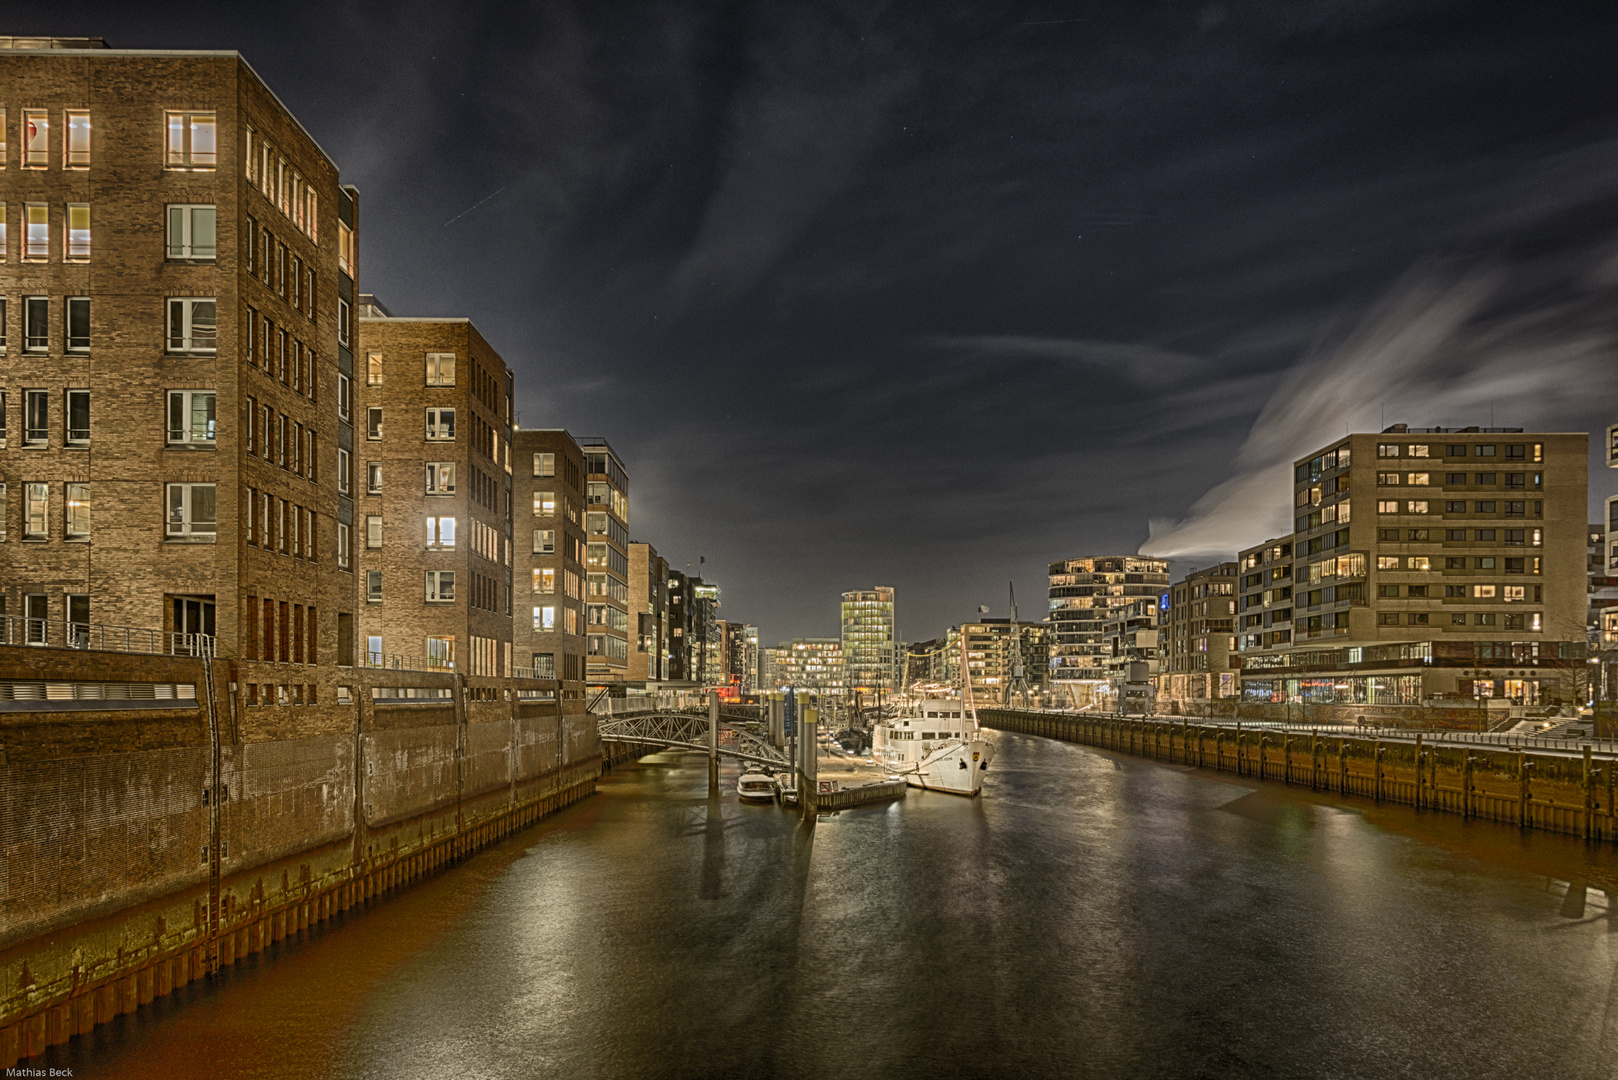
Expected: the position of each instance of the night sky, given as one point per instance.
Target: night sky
(929, 295)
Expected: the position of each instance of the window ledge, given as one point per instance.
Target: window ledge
(190, 446)
(190, 540)
(181, 260)
(192, 354)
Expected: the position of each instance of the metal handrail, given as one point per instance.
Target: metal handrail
(100, 637)
(401, 662)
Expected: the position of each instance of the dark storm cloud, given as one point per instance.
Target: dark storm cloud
(930, 294)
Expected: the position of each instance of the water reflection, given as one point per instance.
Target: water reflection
(1090, 915)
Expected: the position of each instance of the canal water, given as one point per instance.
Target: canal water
(1091, 915)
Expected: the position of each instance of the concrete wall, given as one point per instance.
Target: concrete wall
(107, 897)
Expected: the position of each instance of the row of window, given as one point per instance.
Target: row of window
(279, 268)
(191, 419)
(440, 369)
(1513, 451)
(1460, 479)
(1511, 564)
(440, 424)
(191, 512)
(36, 314)
(1511, 508)
(274, 524)
(440, 532)
(279, 440)
(34, 129)
(281, 184)
(1508, 593)
(546, 578)
(36, 232)
(1520, 620)
(1517, 537)
(545, 620)
(280, 355)
(280, 631)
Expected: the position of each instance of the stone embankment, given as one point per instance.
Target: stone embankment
(1567, 791)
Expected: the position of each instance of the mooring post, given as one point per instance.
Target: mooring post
(809, 762)
(1589, 797)
(713, 742)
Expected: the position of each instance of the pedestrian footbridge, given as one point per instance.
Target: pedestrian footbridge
(691, 731)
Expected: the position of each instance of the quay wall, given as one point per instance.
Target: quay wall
(147, 843)
(1570, 793)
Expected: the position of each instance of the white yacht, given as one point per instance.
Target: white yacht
(755, 786)
(937, 746)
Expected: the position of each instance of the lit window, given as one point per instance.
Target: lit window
(1387, 562)
(192, 140)
(441, 425)
(440, 478)
(192, 232)
(441, 532)
(1418, 478)
(544, 541)
(192, 418)
(373, 369)
(78, 324)
(544, 503)
(545, 618)
(373, 530)
(544, 464)
(1420, 562)
(78, 232)
(193, 324)
(36, 232)
(1485, 592)
(1417, 506)
(1387, 506)
(78, 512)
(544, 580)
(440, 586)
(1511, 593)
(191, 512)
(441, 651)
(1387, 450)
(440, 369)
(36, 139)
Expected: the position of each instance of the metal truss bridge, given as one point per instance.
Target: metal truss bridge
(689, 731)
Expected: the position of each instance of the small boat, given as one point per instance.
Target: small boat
(756, 786)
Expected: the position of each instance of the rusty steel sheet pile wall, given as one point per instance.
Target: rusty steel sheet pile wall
(107, 820)
(1570, 792)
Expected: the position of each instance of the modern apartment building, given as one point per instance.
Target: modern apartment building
(704, 642)
(1434, 564)
(1264, 605)
(606, 560)
(870, 647)
(548, 571)
(431, 476)
(1083, 592)
(807, 665)
(1198, 631)
(176, 279)
(679, 620)
(649, 615)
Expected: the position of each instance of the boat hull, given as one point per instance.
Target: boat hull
(957, 770)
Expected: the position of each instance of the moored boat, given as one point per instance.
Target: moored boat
(754, 786)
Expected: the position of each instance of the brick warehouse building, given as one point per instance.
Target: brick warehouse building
(431, 473)
(177, 275)
(178, 397)
(548, 561)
